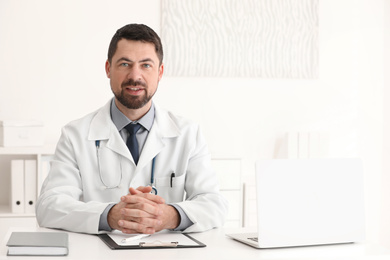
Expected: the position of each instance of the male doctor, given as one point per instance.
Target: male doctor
(131, 165)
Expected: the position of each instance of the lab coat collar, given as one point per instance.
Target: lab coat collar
(101, 124)
(167, 127)
(102, 128)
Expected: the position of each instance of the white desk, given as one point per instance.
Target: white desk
(83, 246)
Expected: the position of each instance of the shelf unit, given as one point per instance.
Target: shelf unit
(228, 170)
(12, 153)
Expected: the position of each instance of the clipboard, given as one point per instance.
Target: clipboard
(163, 240)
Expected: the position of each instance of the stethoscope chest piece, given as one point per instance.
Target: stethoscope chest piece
(154, 190)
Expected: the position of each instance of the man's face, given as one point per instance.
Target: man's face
(134, 73)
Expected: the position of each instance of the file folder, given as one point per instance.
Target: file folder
(17, 186)
(30, 185)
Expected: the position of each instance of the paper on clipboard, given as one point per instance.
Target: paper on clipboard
(161, 237)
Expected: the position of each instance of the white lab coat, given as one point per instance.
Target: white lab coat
(73, 196)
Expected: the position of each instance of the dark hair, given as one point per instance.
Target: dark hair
(136, 32)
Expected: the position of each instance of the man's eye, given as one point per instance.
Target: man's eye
(124, 65)
(147, 66)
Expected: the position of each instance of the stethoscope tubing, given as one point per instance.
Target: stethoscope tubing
(154, 189)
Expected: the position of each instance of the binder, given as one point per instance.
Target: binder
(17, 186)
(38, 244)
(155, 241)
(30, 185)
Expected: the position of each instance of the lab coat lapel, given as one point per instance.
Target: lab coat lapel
(102, 128)
(163, 127)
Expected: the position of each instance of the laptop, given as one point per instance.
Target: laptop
(303, 202)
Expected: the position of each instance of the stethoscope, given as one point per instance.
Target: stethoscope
(105, 186)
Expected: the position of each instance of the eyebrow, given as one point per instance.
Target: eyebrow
(128, 60)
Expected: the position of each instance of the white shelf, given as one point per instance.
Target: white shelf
(5, 211)
(27, 150)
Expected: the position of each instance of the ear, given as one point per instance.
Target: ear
(161, 72)
(108, 67)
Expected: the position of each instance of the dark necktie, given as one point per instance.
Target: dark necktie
(132, 143)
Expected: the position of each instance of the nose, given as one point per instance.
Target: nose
(134, 73)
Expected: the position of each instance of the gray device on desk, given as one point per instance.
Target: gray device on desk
(303, 202)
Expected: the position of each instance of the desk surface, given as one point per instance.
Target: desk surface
(84, 246)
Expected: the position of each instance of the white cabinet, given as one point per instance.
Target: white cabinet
(229, 175)
(7, 154)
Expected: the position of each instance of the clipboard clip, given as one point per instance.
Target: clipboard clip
(158, 243)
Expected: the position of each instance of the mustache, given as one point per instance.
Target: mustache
(134, 83)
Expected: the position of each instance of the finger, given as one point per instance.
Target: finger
(136, 213)
(132, 209)
(142, 197)
(133, 191)
(145, 189)
(134, 227)
(147, 222)
(140, 189)
(152, 197)
(138, 198)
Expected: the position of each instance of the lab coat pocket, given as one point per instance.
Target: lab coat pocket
(171, 188)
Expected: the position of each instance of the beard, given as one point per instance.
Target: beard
(133, 102)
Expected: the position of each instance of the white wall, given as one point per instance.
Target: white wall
(52, 56)
(370, 78)
(386, 142)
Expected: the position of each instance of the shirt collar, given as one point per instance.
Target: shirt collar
(120, 120)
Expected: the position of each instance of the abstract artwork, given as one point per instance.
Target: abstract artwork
(241, 38)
